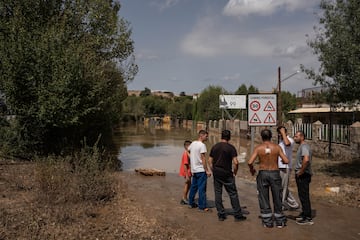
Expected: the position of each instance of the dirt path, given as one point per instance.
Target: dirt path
(159, 197)
(148, 208)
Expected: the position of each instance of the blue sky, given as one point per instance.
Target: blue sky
(187, 45)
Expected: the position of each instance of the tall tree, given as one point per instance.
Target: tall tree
(64, 68)
(208, 103)
(337, 45)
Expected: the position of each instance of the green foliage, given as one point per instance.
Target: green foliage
(288, 102)
(181, 107)
(63, 70)
(337, 45)
(146, 92)
(208, 103)
(155, 105)
(133, 106)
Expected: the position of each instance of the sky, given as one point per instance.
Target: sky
(188, 45)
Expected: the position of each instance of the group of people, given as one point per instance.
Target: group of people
(275, 163)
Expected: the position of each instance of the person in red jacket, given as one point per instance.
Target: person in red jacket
(185, 172)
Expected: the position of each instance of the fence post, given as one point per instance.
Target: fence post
(355, 141)
(316, 130)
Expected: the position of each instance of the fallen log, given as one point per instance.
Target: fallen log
(150, 171)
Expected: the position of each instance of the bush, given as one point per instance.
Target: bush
(84, 176)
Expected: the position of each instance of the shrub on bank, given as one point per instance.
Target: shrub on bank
(84, 176)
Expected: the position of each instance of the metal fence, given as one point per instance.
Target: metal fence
(339, 133)
(305, 127)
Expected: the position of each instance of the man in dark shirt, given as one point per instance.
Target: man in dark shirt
(222, 158)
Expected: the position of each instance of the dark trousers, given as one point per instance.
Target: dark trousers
(303, 185)
(230, 187)
(270, 180)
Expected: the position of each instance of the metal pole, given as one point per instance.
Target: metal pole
(279, 98)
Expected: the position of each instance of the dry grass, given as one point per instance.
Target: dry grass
(42, 200)
(72, 198)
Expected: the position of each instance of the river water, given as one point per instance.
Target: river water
(161, 148)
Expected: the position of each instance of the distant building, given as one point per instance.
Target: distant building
(312, 107)
(164, 94)
(134, 93)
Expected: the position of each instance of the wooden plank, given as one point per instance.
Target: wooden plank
(150, 171)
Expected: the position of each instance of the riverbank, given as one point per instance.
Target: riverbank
(148, 208)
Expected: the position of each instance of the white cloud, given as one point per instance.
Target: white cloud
(207, 39)
(164, 4)
(264, 7)
(146, 56)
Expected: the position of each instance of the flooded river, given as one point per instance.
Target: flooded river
(160, 148)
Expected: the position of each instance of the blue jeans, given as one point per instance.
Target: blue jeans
(230, 187)
(198, 183)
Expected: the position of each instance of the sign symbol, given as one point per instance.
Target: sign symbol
(255, 105)
(255, 119)
(269, 107)
(269, 119)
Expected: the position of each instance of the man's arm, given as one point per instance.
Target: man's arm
(211, 163)
(236, 165)
(251, 161)
(284, 137)
(304, 164)
(284, 158)
(204, 162)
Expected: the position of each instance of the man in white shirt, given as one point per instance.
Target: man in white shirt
(287, 144)
(200, 171)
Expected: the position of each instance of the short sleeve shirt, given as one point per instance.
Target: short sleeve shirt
(223, 154)
(303, 150)
(196, 148)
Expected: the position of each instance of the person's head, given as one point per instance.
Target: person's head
(187, 144)
(278, 130)
(266, 135)
(203, 135)
(299, 137)
(226, 135)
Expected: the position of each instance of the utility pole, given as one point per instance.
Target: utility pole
(279, 108)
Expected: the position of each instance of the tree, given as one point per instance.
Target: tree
(242, 90)
(63, 70)
(208, 103)
(337, 45)
(181, 107)
(146, 92)
(288, 102)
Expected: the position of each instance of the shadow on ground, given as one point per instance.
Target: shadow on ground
(342, 169)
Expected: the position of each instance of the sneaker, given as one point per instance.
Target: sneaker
(194, 205)
(268, 225)
(222, 218)
(300, 217)
(239, 218)
(282, 225)
(205, 210)
(305, 221)
(184, 202)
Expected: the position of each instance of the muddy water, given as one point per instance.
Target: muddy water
(161, 148)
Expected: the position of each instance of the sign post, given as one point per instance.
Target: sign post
(262, 111)
(232, 102)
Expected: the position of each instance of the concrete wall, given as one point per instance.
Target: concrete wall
(339, 152)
